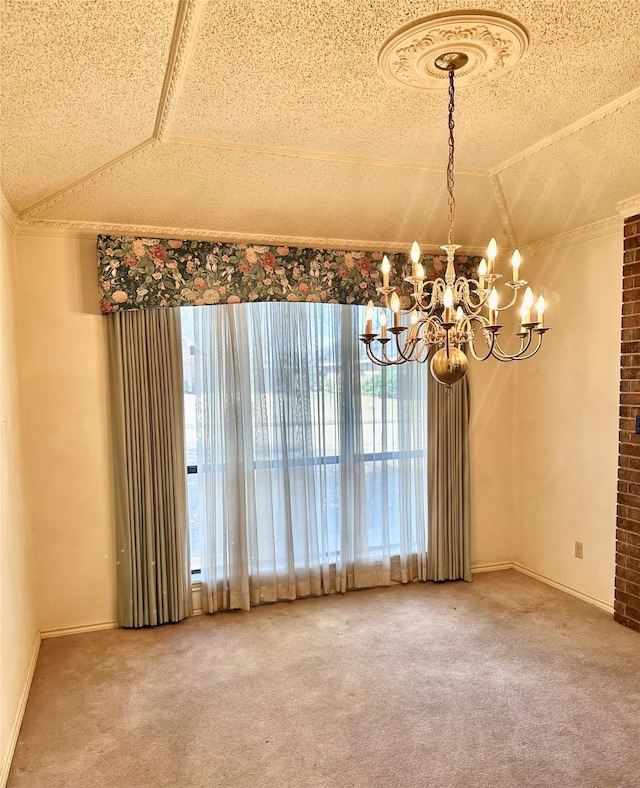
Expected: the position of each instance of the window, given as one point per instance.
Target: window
(288, 424)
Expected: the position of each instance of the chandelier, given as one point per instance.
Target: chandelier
(448, 316)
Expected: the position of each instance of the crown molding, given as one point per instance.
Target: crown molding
(60, 229)
(567, 131)
(182, 44)
(7, 211)
(609, 226)
(72, 229)
(301, 153)
(503, 210)
(629, 207)
(93, 176)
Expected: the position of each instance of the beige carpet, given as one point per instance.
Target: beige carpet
(503, 682)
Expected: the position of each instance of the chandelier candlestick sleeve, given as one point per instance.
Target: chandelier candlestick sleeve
(449, 315)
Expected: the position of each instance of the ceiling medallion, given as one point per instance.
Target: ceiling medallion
(492, 43)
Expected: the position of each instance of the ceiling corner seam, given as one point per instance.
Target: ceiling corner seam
(182, 44)
(567, 131)
(629, 207)
(79, 184)
(503, 209)
(326, 156)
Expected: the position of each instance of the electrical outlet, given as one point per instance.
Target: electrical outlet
(579, 550)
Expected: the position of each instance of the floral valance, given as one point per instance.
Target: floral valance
(146, 273)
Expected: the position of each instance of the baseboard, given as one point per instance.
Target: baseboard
(8, 756)
(56, 633)
(592, 600)
(475, 570)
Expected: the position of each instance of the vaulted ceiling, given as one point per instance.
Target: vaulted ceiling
(265, 119)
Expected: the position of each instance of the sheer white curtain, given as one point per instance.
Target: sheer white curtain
(312, 469)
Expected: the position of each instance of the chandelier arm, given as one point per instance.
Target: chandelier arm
(510, 304)
(437, 294)
(474, 310)
(381, 362)
(502, 355)
(534, 351)
(434, 296)
(489, 343)
(416, 282)
(461, 333)
(483, 296)
(394, 362)
(391, 361)
(465, 295)
(422, 354)
(424, 335)
(460, 291)
(433, 331)
(412, 342)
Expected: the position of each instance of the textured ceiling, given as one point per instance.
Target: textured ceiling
(270, 119)
(310, 198)
(81, 83)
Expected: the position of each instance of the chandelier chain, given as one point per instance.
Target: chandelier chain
(450, 181)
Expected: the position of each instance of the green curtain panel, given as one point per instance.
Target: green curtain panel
(146, 273)
(153, 574)
(448, 555)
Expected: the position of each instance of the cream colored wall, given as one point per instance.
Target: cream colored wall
(63, 377)
(491, 449)
(566, 421)
(18, 623)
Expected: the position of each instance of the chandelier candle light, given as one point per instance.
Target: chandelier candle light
(451, 313)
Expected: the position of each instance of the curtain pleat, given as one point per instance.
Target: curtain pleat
(153, 576)
(449, 495)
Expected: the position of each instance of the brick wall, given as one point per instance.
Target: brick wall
(627, 594)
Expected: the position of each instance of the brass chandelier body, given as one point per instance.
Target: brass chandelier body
(453, 313)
